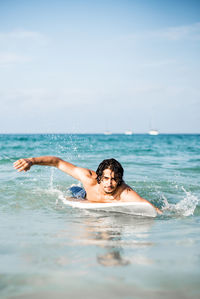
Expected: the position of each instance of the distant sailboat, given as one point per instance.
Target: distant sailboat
(153, 132)
(128, 132)
(107, 133)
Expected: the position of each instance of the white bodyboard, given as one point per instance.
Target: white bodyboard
(131, 208)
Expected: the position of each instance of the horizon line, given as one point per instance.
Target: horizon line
(96, 133)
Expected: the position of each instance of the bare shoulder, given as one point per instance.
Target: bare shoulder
(128, 194)
(86, 175)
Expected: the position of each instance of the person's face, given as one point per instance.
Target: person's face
(108, 181)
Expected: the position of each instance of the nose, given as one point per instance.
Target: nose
(109, 182)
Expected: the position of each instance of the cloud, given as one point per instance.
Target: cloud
(21, 35)
(159, 63)
(18, 41)
(189, 32)
(46, 98)
(12, 58)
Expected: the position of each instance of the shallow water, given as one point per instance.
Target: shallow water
(50, 250)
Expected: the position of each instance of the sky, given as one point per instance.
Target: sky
(94, 66)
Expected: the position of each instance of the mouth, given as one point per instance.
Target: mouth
(108, 189)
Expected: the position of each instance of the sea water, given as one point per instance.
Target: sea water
(50, 250)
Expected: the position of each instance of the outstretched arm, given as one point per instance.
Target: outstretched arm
(77, 172)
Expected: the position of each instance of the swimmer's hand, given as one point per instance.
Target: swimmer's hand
(23, 164)
(159, 211)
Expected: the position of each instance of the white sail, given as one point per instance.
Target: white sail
(128, 133)
(153, 132)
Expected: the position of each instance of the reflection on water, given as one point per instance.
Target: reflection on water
(105, 253)
(115, 233)
(102, 238)
(112, 258)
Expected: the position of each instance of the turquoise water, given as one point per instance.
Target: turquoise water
(50, 250)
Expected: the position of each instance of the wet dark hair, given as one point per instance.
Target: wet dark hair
(113, 165)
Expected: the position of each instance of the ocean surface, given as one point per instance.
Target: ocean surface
(50, 250)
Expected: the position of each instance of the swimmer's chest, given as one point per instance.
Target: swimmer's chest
(96, 195)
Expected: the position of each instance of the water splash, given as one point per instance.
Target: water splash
(185, 207)
(51, 179)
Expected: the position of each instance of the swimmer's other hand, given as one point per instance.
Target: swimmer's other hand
(23, 164)
(159, 211)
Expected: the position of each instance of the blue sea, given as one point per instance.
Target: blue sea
(51, 250)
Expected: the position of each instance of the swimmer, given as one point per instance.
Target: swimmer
(104, 185)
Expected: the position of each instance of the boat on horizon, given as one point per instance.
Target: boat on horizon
(107, 133)
(153, 132)
(128, 132)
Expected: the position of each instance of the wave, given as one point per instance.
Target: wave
(190, 169)
(185, 207)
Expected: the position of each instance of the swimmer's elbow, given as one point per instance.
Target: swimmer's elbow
(157, 209)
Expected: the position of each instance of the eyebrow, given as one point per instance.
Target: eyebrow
(107, 177)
